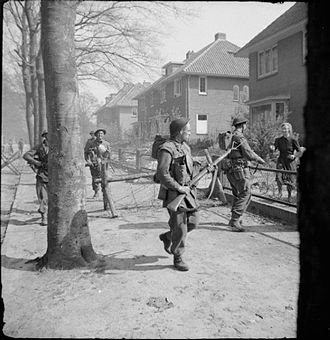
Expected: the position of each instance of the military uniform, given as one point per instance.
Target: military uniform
(98, 150)
(173, 172)
(239, 176)
(40, 153)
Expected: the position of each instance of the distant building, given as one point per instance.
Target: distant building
(209, 87)
(119, 113)
(278, 75)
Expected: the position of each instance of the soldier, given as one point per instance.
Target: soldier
(88, 143)
(239, 173)
(20, 145)
(98, 150)
(37, 157)
(174, 171)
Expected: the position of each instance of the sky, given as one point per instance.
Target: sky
(240, 21)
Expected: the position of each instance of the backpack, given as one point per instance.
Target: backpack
(158, 142)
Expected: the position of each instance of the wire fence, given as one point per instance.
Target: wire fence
(265, 183)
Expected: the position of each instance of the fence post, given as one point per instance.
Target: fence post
(138, 160)
(107, 199)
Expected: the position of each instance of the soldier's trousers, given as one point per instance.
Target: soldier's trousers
(96, 174)
(42, 194)
(241, 189)
(180, 223)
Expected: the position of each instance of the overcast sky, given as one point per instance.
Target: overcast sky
(240, 21)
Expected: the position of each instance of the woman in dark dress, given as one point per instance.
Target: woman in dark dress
(286, 145)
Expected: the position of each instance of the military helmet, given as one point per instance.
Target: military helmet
(44, 133)
(177, 125)
(239, 120)
(95, 133)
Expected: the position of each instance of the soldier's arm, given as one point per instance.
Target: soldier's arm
(163, 171)
(248, 153)
(29, 157)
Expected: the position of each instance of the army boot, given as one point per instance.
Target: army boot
(236, 226)
(179, 264)
(166, 241)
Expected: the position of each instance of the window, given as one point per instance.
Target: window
(163, 94)
(235, 93)
(267, 62)
(201, 124)
(246, 95)
(177, 87)
(279, 110)
(202, 85)
(134, 112)
(261, 113)
(304, 46)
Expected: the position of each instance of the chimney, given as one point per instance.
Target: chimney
(220, 36)
(189, 54)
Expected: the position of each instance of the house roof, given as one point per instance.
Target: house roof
(293, 16)
(124, 97)
(216, 59)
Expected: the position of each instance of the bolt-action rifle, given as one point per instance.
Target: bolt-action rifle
(174, 205)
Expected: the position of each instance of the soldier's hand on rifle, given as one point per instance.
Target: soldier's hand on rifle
(184, 190)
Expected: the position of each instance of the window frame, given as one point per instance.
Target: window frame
(199, 85)
(198, 126)
(178, 86)
(246, 93)
(163, 94)
(262, 62)
(236, 87)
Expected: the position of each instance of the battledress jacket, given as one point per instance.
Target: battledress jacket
(175, 169)
(244, 151)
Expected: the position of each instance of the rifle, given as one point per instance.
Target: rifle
(174, 205)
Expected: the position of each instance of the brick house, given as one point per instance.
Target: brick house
(119, 113)
(209, 87)
(277, 68)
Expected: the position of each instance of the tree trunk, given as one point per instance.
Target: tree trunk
(33, 48)
(314, 184)
(41, 93)
(69, 241)
(27, 83)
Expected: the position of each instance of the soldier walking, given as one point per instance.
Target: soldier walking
(98, 150)
(37, 157)
(238, 174)
(174, 171)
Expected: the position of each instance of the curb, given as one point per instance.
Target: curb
(278, 211)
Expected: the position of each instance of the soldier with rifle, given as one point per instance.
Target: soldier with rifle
(98, 150)
(238, 173)
(37, 158)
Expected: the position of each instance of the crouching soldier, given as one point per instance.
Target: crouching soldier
(37, 158)
(174, 171)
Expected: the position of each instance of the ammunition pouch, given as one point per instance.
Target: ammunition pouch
(179, 170)
(226, 164)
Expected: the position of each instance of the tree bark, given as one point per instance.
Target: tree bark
(41, 93)
(69, 241)
(33, 48)
(314, 184)
(27, 82)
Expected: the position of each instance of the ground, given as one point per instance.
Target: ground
(240, 285)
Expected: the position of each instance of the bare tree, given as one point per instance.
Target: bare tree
(69, 241)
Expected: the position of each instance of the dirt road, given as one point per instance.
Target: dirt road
(240, 285)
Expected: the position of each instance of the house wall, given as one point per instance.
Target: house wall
(290, 79)
(218, 104)
(126, 117)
